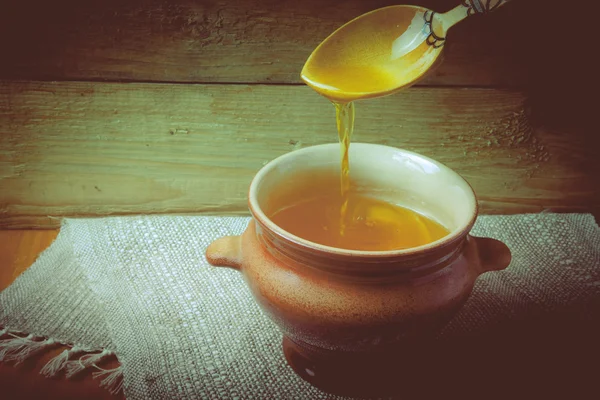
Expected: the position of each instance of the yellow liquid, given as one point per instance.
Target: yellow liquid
(344, 116)
(339, 71)
(363, 60)
(369, 224)
(348, 220)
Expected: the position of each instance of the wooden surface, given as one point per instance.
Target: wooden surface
(18, 250)
(73, 148)
(214, 94)
(228, 41)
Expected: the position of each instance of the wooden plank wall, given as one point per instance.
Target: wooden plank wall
(172, 106)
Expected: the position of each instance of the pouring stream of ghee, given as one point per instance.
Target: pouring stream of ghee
(368, 57)
(344, 116)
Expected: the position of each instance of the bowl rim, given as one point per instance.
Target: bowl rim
(259, 215)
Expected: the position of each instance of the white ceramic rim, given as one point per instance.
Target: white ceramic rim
(257, 212)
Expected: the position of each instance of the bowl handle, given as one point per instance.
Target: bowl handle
(493, 254)
(225, 252)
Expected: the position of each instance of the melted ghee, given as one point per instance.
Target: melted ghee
(341, 72)
(368, 58)
(344, 116)
(369, 224)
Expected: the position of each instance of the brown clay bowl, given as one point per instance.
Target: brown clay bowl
(343, 312)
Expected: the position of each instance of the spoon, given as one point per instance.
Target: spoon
(384, 51)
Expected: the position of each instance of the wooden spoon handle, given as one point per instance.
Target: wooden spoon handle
(466, 9)
(482, 6)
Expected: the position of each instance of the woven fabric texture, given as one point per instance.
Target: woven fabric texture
(141, 287)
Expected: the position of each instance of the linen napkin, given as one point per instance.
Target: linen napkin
(140, 287)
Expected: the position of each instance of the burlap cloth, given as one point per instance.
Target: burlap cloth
(141, 287)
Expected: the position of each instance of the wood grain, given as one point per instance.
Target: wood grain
(74, 149)
(256, 41)
(19, 249)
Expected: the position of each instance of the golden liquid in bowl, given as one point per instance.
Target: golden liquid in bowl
(367, 224)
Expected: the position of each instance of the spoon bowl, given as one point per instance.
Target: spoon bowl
(376, 54)
(384, 51)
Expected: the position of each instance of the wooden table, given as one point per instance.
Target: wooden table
(18, 250)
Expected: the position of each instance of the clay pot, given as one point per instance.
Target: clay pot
(335, 306)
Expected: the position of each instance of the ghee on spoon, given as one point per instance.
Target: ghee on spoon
(383, 51)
